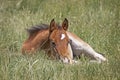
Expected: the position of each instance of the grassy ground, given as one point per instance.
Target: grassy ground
(95, 21)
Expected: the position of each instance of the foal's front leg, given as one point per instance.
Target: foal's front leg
(88, 50)
(79, 46)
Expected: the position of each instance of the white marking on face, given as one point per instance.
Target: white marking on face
(62, 36)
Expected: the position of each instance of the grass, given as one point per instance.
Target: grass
(96, 22)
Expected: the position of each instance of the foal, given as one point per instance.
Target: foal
(57, 42)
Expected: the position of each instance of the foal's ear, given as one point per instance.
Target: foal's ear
(52, 25)
(65, 24)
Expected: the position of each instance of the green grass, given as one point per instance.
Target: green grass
(95, 21)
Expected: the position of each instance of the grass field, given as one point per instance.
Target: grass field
(95, 21)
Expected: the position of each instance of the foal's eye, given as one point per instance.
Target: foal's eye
(53, 44)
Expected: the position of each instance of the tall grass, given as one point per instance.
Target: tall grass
(95, 21)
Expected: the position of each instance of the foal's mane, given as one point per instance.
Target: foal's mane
(33, 31)
(37, 28)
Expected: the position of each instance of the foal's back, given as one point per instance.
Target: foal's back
(37, 37)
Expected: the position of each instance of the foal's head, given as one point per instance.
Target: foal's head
(59, 41)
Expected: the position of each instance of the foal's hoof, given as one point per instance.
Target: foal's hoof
(74, 61)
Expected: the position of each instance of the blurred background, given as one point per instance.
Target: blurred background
(97, 22)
